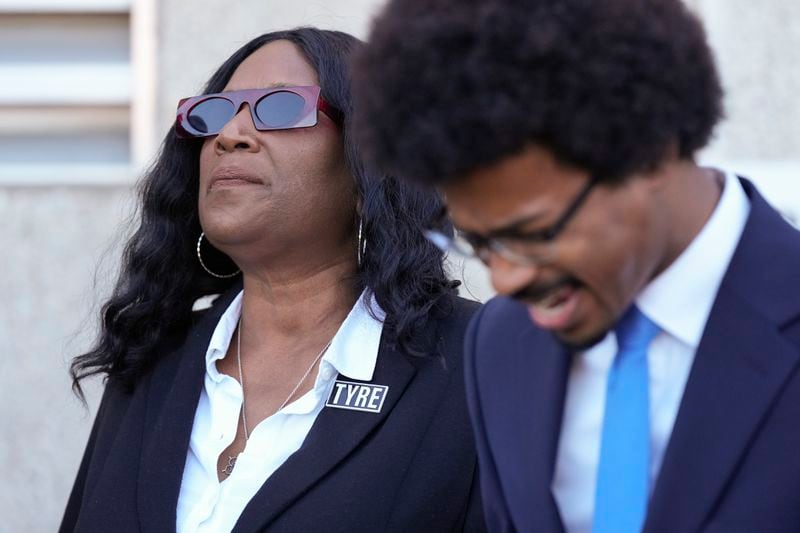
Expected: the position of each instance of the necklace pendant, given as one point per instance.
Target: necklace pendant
(228, 470)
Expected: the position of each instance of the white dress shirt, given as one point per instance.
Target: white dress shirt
(205, 504)
(679, 301)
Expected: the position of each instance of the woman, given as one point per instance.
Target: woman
(322, 390)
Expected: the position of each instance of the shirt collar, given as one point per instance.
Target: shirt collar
(354, 349)
(679, 299)
(221, 338)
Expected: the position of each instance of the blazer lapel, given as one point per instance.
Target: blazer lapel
(523, 433)
(720, 412)
(335, 434)
(551, 365)
(740, 366)
(172, 402)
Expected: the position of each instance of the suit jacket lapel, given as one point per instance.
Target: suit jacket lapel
(740, 366)
(335, 434)
(525, 402)
(738, 370)
(551, 366)
(172, 402)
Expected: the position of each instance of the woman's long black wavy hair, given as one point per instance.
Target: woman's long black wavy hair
(150, 309)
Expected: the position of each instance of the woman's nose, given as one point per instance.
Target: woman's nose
(239, 133)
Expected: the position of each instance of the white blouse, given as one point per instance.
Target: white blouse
(207, 505)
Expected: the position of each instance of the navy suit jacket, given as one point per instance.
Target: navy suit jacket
(411, 467)
(732, 463)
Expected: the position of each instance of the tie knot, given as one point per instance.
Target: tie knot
(635, 330)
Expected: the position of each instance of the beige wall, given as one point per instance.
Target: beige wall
(54, 236)
(757, 45)
(52, 240)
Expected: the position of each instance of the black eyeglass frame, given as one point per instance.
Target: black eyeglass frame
(482, 245)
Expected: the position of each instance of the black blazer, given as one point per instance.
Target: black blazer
(410, 468)
(732, 464)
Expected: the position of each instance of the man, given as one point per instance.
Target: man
(639, 368)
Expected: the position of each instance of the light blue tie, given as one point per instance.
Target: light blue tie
(623, 474)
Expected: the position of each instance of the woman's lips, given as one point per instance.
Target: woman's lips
(232, 176)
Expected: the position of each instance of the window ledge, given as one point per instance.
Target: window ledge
(54, 174)
(65, 84)
(65, 6)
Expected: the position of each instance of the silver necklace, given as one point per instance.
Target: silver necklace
(232, 458)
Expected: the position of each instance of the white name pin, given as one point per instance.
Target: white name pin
(357, 396)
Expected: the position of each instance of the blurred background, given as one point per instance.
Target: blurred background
(87, 90)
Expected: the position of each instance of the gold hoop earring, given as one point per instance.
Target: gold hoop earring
(202, 264)
(361, 249)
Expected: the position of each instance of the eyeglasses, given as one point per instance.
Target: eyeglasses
(527, 249)
(277, 108)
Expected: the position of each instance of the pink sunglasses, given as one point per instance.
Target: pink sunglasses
(277, 108)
